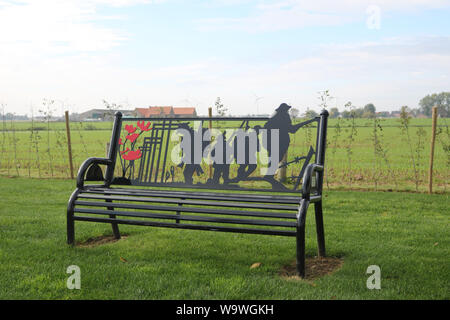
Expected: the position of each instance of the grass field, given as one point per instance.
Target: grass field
(351, 161)
(405, 234)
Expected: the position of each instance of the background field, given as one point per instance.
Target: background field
(352, 161)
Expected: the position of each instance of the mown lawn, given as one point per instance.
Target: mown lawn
(406, 234)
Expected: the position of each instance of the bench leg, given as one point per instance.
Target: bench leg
(114, 225)
(301, 219)
(70, 220)
(70, 230)
(319, 229)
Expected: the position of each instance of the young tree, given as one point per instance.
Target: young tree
(310, 113)
(221, 110)
(334, 113)
(294, 113)
(111, 109)
(369, 111)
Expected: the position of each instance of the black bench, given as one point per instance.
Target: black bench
(217, 174)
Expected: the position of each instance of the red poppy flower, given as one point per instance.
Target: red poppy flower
(122, 152)
(142, 126)
(120, 141)
(132, 155)
(132, 137)
(130, 128)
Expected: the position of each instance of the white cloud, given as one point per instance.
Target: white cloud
(291, 14)
(45, 45)
(54, 26)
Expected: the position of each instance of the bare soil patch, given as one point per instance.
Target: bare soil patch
(316, 267)
(99, 240)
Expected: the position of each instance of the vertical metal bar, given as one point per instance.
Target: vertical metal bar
(319, 181)
(210, 169)
(178, 212)
(114, 146)
(321, 144)
(114, 225)
(301, 221)
(147, 178)
(319, 229)
(154, 145)
(151, 155)
(305, 164)
(159, 151)
(166, 150)
(317, 138)
(70, 220)
(142, 162)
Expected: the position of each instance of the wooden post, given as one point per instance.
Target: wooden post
(69, 144)
(433, 138)
(210, 127)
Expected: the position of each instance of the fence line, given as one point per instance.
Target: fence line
(23, 153)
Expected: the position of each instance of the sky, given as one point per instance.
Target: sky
(254, 55)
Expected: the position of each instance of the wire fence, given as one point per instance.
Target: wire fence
(374, 156)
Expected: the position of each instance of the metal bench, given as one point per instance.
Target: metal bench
(216, 174)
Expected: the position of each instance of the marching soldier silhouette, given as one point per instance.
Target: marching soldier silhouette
(191, 168)
(281, 120)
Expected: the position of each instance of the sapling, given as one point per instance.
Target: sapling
(30, 144)
(14, 142)
(4, 134)
(404, 121)
(443, 136)
(352, 132)
(47, 113)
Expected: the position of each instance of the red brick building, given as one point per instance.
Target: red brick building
(166, 112)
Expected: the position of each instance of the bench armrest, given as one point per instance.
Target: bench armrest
(307, 179)
(85, 165)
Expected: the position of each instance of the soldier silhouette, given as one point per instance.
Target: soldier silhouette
(281, 120)
(246, 169)
(221, 170)
(191, 168)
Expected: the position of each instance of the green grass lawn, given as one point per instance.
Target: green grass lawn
(406, 234)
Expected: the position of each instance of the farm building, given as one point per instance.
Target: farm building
(102, 114)
(166, 112)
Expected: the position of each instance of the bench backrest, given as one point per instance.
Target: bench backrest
(229, 153)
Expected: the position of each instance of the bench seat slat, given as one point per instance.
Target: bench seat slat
(188, 218)
(188, 209)
(199, 195)
(191, 202)
(219, 192)
(242, 194)
(188, 226)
